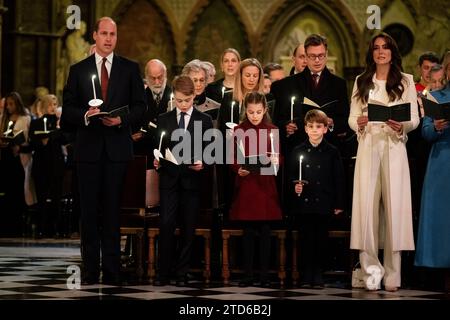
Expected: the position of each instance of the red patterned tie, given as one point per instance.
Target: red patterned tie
(105, 80)
(315, 77)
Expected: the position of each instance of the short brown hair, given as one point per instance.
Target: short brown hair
(315, 40)
(183, 84)
(97, 23)
(316, 116)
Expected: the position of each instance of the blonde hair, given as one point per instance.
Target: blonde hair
(238, 91)
(45, 102)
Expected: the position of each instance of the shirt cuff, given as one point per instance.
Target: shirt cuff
(86, 119)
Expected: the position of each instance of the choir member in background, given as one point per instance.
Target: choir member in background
(157, 94)
(298, 59)
(48, 167)
(229, 64)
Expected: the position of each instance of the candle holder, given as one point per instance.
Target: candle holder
(303, 182)
(94, 102)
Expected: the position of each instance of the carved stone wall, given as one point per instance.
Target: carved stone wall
(144, 34)
(179, 30)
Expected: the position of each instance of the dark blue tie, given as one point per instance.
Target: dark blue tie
(181, 123)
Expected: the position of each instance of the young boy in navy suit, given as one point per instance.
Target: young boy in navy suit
(180, 185)
(313, 203)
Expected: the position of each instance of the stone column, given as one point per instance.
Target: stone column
(2, 10)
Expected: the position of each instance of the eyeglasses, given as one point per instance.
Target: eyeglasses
(314, 57)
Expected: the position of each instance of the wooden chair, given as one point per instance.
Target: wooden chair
(226, 270)
(153, 233)
(135, 217)
(332, 234)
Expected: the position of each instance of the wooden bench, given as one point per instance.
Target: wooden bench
(332, 234)
(227, 233)
(205, 233)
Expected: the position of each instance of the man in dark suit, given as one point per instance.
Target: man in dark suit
(180, 185)
(298, 59)
(317, 83)
(102, 147)
(157, 96)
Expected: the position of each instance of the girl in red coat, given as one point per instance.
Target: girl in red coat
(255, 199)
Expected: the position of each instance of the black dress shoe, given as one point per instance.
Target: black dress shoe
(112, 281)
(89, 281)
(159, 282)
(182, 281)
(245, 283)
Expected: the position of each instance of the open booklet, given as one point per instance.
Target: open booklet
(169, 160)
(208, 105)
(251, 163)
(118, 112)
(314, 105)
(436, 110)
(379, 111)
(14, 139)
(41, 134)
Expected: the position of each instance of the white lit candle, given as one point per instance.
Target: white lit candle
(232, 111)
(292, 108)
(171, 101)
(8, 130)
(45, 124)
(223, 91)
(300, 168)
(272, 147)
(93, 86)
(160, 141)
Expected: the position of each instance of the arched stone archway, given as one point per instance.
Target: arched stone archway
(297, 19)
(209, 35)
(144, 33)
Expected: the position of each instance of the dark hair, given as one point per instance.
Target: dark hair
(272, 66)
(430, 56)
(256, 97)
(394, 85)
(316, 116)
(20, 108)
(315, 40)
(183, 84)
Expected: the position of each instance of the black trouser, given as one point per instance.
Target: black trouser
(185, 204)
(313, 235)
(100, 186)
(251, 230)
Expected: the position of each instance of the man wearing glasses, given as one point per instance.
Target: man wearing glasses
(318, 84)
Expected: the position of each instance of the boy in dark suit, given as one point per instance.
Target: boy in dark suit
(180, 185)
(103, 147)
(313, 203)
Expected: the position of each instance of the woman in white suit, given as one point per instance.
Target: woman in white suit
(381, 211)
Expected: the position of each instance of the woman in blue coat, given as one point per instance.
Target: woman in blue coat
(433, 243)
